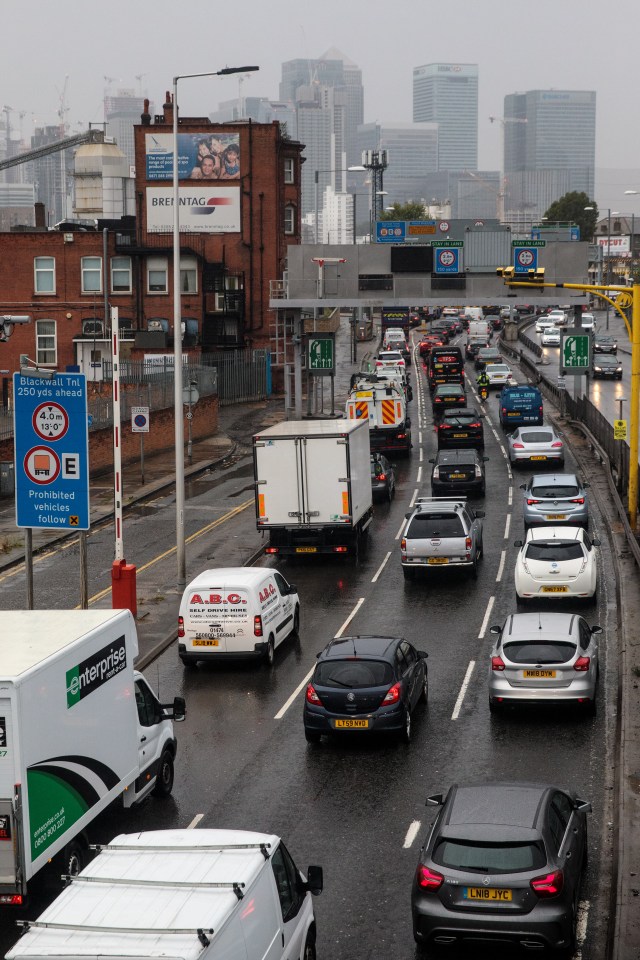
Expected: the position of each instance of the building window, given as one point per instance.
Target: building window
(157, 275)
(232, 286)
(289, 170)
(121, 274)
(188, 275)
(46, 342)
(44, 274)
(91, 274)
(289, 219)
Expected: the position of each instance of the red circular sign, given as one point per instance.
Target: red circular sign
(50, 421)
(443, 226)
(525, 258)
(41, 465)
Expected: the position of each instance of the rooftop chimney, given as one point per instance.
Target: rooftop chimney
(168, 108)
(41, 220)
(145, 117)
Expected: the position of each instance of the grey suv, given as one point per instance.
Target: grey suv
(502, 866)
(441, 533)
(555, 498)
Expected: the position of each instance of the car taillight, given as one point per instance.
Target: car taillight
(540, 410)
(518, 446)
(530, 502)
(312, 696)
(402, 436)
(577, 500)
(504, 411)
(393, 694)
(444, 426)
(478, 471)
(11, 899)
(474, 426)
(436, 473)
(403, 543)
(467, 543)
(550, 885)
(181, 626)
(341, 549)
(272, 550)
(497, 663)
(257, 626)
(428, 879)
(557, 444)
(582, 664)
(381, 476)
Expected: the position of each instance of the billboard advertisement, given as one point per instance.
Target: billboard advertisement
(210, 209)
(614, 246)
(201, 156)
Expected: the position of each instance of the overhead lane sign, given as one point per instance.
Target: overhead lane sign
(525, 254)
(51, 441)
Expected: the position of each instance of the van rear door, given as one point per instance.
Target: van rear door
(218, 620)
(10, 842)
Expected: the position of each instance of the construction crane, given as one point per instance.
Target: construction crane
(63, 109)
(88, 136)
(503, 180)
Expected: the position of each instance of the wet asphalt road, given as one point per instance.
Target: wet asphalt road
(348, 804)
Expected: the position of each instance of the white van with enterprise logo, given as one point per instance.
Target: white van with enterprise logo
(236, 612)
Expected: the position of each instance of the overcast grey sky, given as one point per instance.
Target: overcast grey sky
(564, 44)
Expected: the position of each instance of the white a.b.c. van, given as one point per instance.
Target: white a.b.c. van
(236, 612)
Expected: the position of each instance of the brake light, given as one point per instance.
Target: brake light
(381, 476)
(518, 446)
(341, 549)
(312, 696)
(436, 473)
(478, 471)
(467, 543)
(403, 543)
(577, 500)
(550, 885)
(475, 426)
(11, 899)
(582, 664)
(181, 626)
(531, 502)
(557, 444)
(257, 626)
(540, 409)
(271, 550)
(444, 426)
(504, 411)
(402, 436)
(428, 879)
(393, 695)
(497, 663)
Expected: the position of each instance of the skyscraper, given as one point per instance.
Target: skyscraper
(121, 113)
(447, 94)
(412, 150)
(553, 151)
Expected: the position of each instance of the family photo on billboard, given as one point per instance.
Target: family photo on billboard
(201, 156)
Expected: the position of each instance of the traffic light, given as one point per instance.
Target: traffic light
(536, 276)
(506, 272)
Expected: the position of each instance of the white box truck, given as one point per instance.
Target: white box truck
(188, 894)
(313, 485)
(78, 728)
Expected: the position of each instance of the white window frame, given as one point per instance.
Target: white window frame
(289, 219)
(89, 267)
(42, 351)
(231, 283)
(188, 275)
(289, 170)
(158, 265)
(121, 270)
(40, 271)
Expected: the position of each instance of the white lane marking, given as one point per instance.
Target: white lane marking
(510, 500)
(509, 471)
(503, 557)
(412, 833)
(380, 568)
(496, 434)
(419, 477)
(413, 499)
(399, 533)
(196, 820)
(581, 925)
(349, 618)
(507, 526)
(419, 436)
(504, 453)
(421, 454)
(487, 614)
(463, 690)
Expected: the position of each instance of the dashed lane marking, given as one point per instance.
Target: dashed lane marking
(487, 614)
(412, 833)
(503, 557)
(507, 526)
(374, 579)
(196, 820)
(413, 499)
(463, 690)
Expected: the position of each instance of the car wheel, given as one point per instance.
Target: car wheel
(389, 494)
(474, 568)
(494, 707)
(188, 662)
(408, 574)
(296, 622)
(270, 652)
(164, 776)
(593, 601)
(309, 949)
(481, 550)
(311, 736)
(405, 733)
(521, 602)
(424, 693)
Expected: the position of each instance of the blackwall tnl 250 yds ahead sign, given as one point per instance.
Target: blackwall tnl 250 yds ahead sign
(51, 440)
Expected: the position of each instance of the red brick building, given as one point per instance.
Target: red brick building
(239, 211)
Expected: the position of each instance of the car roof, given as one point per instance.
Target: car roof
(536, 428)
(529, 626)
(223, 576)
(362, 647)
(495, 804)
(553, 479)
(555, 533)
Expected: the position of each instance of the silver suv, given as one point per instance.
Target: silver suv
(441, 533)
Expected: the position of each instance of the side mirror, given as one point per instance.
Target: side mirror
(586, 484)
(394, 466)
(407, 515)
(293, 588)
(178, 709)
(495, 630)
(523, 486)
(422, 654)
(480, 514)
(596, 629)
(517, 543)
(596, 542)
(432, 459)
(485, 459)
(584, 806)
(315, 880)
(435, 801)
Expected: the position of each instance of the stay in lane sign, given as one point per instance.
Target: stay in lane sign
(51, 444)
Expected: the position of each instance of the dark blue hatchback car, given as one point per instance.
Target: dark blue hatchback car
(365, 684)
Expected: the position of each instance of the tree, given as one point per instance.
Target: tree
(571, 209)
(413, 210)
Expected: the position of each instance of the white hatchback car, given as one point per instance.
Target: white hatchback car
(550, 337)
(557, 563)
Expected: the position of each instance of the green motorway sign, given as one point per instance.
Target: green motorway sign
(321, 354)
(575, 352)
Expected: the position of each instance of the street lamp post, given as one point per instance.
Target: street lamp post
(177, 322)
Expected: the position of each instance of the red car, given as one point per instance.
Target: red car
(428, 343)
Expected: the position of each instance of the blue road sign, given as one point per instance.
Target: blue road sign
(390, 231)
(446, 259)
(525, 258)
(51, 442)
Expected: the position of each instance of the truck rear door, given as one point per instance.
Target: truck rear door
(279, 495)
(326, 487)
(9, 841)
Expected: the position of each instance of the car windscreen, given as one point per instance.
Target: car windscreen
(353, 673)
(554, 551)
(435, 526)
(606, 361)
(536, 651)
(489, 858)
(554, 492)
(533, 436)
(461, 419)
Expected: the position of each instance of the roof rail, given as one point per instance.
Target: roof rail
(199, 932)
(177, 884)
(196, 848)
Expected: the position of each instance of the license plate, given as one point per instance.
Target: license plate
(206, 643)
(456, 476)
(491, 894)
(539, 457)
(460, 436)
(512, 413)
(555, 516)
(351, 724)
(555, 590)
(538, 674)
(306, 549)
(438, 560)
